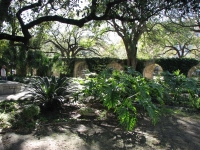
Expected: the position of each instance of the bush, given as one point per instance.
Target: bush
(49, 94)
(125, 93)
(30, 111)
(179, 90)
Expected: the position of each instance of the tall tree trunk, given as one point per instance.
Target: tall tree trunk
(131, 50)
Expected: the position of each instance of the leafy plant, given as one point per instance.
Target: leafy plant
(5, 119)
(7, 106)
(179, 90)
(196, 103)
(125, 94)
(49, 93)
(30, 111)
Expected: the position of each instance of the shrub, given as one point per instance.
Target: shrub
(125, 93)
(7, 106)
(30, 111)
(179, 90)
(49, 93)
(7, 113)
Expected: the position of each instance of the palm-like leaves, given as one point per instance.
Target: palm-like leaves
(49, 93)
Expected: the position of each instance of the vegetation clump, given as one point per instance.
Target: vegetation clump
(180, 90)
(49, 94)
(30, 111)
(126, 94)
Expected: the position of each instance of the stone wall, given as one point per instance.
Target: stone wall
(79, 69)
(81, 66)
(150, 70)
(194, 71)
(115, 65)
(9, 87)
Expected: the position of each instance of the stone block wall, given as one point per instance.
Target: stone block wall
(9, 87)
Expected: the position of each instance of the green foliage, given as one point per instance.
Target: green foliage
(22, 62)
(167, 39)
(125, 94)
(140, 65)
(7, 106)
(3, 46)
(15, 115)
(179, 90)
(97, 64)
(41, 62)
(30, 111)
(49, 93)
(196, 103)
(5, 119)
(168, 64)
(17, 57)
(67, 67)
(173, 64)
(7, 111)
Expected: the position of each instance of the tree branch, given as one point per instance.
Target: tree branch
(12, 38)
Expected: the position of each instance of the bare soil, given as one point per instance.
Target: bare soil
(177, 131)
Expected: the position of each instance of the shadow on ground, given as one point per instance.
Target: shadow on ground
(172, 132)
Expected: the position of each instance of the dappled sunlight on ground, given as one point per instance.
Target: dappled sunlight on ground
(172, 132)
(21, 95)
(17, 96)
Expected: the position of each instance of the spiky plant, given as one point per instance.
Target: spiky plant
(49, 93)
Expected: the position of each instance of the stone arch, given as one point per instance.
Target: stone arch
(194, 71)
(151, 70)
(115, 65)
(79, 68)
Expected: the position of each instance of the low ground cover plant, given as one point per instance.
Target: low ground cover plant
(30, 111)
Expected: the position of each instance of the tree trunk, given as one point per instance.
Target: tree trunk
(131, 50)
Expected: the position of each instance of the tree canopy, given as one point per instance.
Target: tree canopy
(169, 39)
(78, 12)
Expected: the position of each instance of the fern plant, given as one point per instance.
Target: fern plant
(49, 94)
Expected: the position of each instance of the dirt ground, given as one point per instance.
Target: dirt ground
(179, 131)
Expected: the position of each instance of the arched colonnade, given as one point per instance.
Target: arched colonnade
(150, 71)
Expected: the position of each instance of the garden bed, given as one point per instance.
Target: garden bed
(177, 130)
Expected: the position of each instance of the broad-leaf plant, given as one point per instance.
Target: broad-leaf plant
(126, 93)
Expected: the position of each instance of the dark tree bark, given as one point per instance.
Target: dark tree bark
(4, 5)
